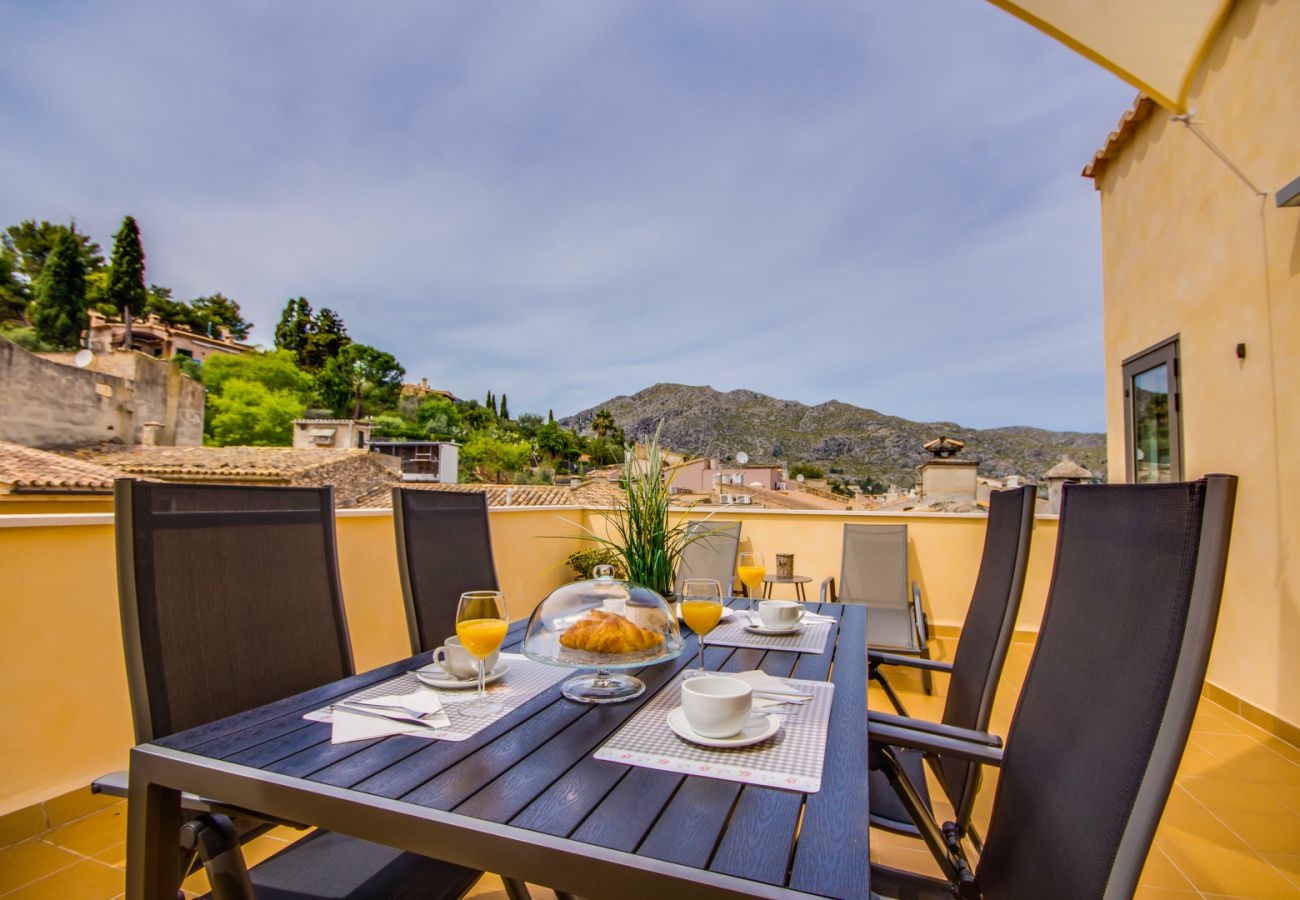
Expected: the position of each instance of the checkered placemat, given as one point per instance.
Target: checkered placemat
(792, 758)
(525, 680)
(731, 633)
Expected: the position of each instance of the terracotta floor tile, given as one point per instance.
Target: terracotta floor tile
(919, 861)
(1201, 762)
(76, 804)
(489, 887)
(1265, 832)
(1195, 826)
(94, 833)
(1287, 863)
(1160, 872)
(114, 856)
(85, 880)
(1221, 794)
(30, 861)
(1215, 870)
(1147, 892)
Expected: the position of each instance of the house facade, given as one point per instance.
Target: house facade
(1201, 270)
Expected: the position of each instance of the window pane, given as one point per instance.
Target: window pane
(1151, 425)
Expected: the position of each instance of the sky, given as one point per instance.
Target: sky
(567, 200)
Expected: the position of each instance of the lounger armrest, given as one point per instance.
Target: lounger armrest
(933, 743)
(935, 728)
(880, 658)
(828, 590)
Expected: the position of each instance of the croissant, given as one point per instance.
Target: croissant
(606, 632)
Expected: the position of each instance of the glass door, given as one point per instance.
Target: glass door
(1152, 402)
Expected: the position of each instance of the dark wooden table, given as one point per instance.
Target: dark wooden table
(525, 798)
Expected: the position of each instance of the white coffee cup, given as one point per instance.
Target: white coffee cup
(716, 706)
(459, 662)
(777, 614)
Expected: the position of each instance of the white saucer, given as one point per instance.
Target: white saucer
(434, 676)
(758, 729)
(727, 612)
(763, 629)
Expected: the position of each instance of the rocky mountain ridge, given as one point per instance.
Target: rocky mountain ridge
(832, 435)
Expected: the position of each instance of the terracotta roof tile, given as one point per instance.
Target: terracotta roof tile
(1139, 112)
(498, 495)
(215, 462)
(27, 470)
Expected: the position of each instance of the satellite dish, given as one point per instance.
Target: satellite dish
(799, 478)
(742, 457)
(83, 358)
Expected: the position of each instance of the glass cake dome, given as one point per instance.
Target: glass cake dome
(602, 624)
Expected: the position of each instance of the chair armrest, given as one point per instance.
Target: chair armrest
(879, 658)
(944, 746)
(936, 728)
(828, 587)
(918, 618)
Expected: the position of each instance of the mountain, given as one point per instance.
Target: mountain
(832, 435)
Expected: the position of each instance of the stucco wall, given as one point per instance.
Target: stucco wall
(1189, 249)
(47, 403)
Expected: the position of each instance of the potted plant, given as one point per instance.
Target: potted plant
(638, 537)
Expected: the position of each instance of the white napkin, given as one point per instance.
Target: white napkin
(351, 726)
(767, 684)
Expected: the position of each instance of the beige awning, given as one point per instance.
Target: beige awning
(1154, 45)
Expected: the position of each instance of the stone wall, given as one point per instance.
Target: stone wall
(47, 403)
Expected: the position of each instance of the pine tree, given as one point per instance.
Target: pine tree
(59, 313)
(490, 403)
(505, 413)
(326, 338)
(550, 415)
(126, 288)
(295, 325)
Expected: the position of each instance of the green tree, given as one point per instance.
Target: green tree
(493, 458)
(295, 325)
(439, 417)
(14, 295)
(126, 288)
(806, 470)
(505, 411)
(59, 313)
(31, 243)
(216, 310)
(159, 303)
(247, 414)
(475, 417)
(528, 424)
(603, 422)
(275, 371)
(328, 335)
(360, 377)
(604, 452)
(558, 442)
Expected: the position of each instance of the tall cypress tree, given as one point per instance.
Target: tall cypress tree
(59, 313)
(295, 325)
(126, 288)
(505, 412)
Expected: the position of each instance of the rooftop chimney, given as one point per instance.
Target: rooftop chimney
(150, 432)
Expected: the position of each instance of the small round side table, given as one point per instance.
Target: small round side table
(798, 581)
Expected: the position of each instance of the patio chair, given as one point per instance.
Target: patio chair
(974, 672)
(873, 573)
(230, 599)
(444, 548)
(710, 554)
(1106, 708)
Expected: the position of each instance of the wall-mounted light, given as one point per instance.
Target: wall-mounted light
(1241, 351)
(1289, 195)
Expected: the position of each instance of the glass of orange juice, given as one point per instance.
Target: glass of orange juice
(701, 601)
(481, 626)
(751, 570)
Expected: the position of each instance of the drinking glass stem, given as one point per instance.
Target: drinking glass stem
(701, 654)
(482, 686)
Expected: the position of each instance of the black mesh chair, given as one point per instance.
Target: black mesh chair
(444, 548)
(1105, 710)
(974, 673)
(873, 573)
(230, 600)
(710, 554)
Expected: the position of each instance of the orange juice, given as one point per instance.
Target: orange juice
(481, 636)
(701, 615)
(752, 576)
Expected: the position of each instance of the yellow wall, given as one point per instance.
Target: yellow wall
(1189, 249)
(63, 695)
(40, 504)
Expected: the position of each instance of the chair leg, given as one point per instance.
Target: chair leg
(879, 676)
(217, 843)
(516, 889)
(927, 679)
